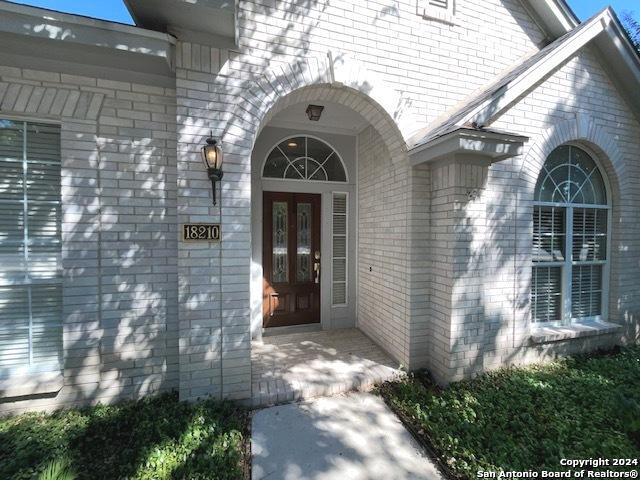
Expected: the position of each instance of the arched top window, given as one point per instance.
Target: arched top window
(571, 219)
(570, 176)
(304, 158)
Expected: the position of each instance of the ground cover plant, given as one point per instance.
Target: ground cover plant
(520, 419)
(154, 438)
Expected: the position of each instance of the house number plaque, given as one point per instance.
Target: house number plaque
(200, 232)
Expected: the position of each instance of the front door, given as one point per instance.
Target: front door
(291, 259)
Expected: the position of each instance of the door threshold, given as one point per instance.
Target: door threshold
(272, 331)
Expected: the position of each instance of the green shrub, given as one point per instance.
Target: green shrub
(154, 438)
(58, 469)
(528, 418)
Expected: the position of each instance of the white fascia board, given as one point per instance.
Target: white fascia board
(490, 146)
(623, 63)
(50, 25)
(553, 16)
(485, 112)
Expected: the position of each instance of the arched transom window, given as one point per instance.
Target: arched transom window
(304, 158)
(570, 239)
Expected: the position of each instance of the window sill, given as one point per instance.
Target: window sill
(548, 334)
(29, 385)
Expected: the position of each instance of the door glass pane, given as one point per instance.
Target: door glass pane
(303, 254)
(280, 259)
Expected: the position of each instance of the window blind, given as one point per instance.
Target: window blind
(30, 247)
(546, 294)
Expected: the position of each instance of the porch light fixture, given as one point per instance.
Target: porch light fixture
(314, 112)
(212, 159)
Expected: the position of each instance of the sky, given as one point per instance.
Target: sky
(116, 11)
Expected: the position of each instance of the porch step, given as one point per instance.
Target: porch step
(295, 367)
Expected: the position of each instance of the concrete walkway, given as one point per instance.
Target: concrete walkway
(346, 437)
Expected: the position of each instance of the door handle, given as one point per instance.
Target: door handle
(316, 266)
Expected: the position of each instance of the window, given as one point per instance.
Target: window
(304, 158)
(570, 239)
(442, 10)
(339, 250)
(30, 247)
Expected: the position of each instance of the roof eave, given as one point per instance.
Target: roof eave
(209, 22)
(555, 17)
(625, 71)
(489, 146)
(109, 37)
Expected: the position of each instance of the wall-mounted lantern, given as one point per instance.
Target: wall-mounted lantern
(212, 159)
(314, 112)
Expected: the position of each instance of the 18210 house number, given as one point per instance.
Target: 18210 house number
(206, 232)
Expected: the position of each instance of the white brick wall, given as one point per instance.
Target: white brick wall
(214, 278)
(382, 246)
(119, 231)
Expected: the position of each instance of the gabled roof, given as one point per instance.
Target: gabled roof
(483, 107)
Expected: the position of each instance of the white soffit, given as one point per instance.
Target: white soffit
(335, 118)
(210, 22)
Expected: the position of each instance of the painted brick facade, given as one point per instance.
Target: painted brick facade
(119, 232)
(444, 250)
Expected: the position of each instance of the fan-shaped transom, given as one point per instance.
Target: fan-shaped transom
(570, 176)
(304, 157)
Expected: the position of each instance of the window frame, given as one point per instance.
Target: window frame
(297, 180)
(31, 370)
(568, 264)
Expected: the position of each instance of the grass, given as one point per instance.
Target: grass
(527, 418)
(154, 438)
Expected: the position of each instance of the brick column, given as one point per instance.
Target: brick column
(213, 278)
(458, 229)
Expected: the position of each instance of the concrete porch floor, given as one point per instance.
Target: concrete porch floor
(287, 368)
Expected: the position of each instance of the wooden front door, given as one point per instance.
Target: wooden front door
(291, 259)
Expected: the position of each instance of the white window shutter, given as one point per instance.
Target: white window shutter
(339, 249)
